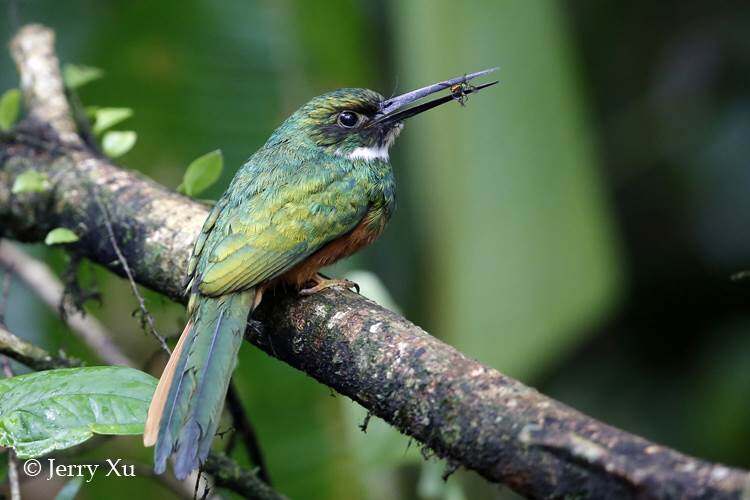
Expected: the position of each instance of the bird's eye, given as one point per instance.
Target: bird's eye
(348, 119)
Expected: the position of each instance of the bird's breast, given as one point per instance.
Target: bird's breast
(364, 233)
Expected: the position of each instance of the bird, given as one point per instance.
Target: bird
(318, 190)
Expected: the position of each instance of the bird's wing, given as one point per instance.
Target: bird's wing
(254, 239)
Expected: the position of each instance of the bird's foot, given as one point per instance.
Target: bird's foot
(321, 283)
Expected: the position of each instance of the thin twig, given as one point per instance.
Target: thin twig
(231, 442)
(13, 479)
(30, 355)
(228, 474)
(82, 121)
(4, 294)
(197, 482)
(44, 283)
(145, 314)
(15, 487)
(7, 370)
(245, 428)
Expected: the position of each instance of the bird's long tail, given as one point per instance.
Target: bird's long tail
(186, 407)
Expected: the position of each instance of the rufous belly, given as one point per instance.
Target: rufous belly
(362, 235)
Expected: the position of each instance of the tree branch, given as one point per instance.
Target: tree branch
(15, 487)
(225, 471)
(243, 427)
(43, 90)
(43, 282)
(30, 355)
(461, 409)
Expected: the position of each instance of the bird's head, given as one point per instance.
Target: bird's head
(361, 124)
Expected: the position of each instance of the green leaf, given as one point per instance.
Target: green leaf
(117, 143)
(59, 236)
(105, 118)
(30, 181)
(76, 75)
(10, 104)
(202, 173)
(91, 112)
(52, 410)
(70, 490)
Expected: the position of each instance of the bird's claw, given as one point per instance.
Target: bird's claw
(322, 283)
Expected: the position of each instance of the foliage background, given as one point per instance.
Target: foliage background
(575, 227)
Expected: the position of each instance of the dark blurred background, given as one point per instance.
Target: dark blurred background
(575, 227)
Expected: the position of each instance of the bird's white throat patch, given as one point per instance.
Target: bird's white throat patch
(369, 154)
(374, 152)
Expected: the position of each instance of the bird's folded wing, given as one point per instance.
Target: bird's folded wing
(253, 242)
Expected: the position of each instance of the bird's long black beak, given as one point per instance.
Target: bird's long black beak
(395, 109)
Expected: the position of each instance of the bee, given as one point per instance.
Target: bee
(461, 91)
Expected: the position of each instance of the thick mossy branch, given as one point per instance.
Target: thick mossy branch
(155, 227)
(459, 408)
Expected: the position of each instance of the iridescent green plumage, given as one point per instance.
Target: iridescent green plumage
(295, 194)
(272, 218)
(319, 189)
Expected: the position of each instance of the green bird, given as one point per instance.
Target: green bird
(318, 190)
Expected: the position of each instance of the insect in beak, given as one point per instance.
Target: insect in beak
(395, 109)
